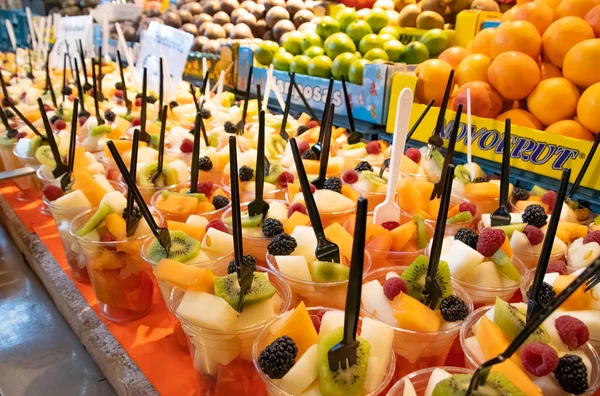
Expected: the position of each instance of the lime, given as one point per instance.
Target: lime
(378, 19)
(341, 65)
(358, 54)
(378, 61)
(300, 64)
(369, 42)
(345, 17)
(415, 52)
(320, 66)
(314, 51)
(394, 49)
(355, 73)
(326, 26)
(391, 30)
(265, 52)
(337, 44)
(377, 53)
(282, 61)
(385, 37)
(436, 41)
(292, 42)
(311, 39)
(357, 30)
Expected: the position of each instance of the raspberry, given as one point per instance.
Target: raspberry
(217, 224)
(534, 234)
(468, 237)
(363, 166)
(490, 240)
(535, 215)
(297, 207)
(316, 321)
(312, 124)
(520, 194)
(312, 188)
(333, 184)
(205, 187)
(47, 107)
(453, 309)
(136, 122)
(60, 125)
(138, 102)
(187, 146)
(549, 199)
(557, 266)
(390, 225)
(302, 147)
(52, 192)
(571, 374)
(539, 359)
(285, 178)
(572, 331)
(350, 177)
(593, 236)
(374, 147)
(82, 120)
(463, 207)
(109, 237)
(119, 94)
(414, 154)
(393, 286)
(21, 135)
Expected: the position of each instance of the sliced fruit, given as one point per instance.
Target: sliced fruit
(462, 217)
(299, 327)
(338, 235)
(401, 235)
(375, 302)
(412, 314)
(186, 277)
(294, 267)
(421, 232)
(44, 155)
(228, 288)
(296, 219)
(302, 374)
(207, 310)
(512, 321)
(496, 384)
(183, 248)
(509, 229)
(415, 275)
(378, 238)
(192, 230)
(578, 300)
(325, 271)
(178, 204)
(485, 189)
(95, 220)
(92, 190)
(116, 225)
(507, 266)
(205, 207)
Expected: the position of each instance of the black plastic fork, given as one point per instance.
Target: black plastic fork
(60, 168)
(449, 159)
(501, 216)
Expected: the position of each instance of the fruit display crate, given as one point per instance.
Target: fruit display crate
(225, 62)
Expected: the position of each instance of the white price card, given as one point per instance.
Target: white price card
(70, 31)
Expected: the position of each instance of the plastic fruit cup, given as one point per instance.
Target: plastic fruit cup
(148, 192)
(514, 209)
(248, 195)
(326, 294)
(416, 350)
(44, 174)
(121, 278)
(420, 379)
(452, 228)
(328, 218)
(223, 359)
(173, 216)
(484, 204)
(255, 244)
(350, 162)
(375, 198)
(28, 185)
(423, 177)
(265, 338)
(472, 363)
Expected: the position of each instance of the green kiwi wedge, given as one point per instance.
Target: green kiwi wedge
(276, 146)
(228, 288)
(461, 217)
(496, 385)
(438, 158)
(462, 174)
(539, 191)
(415, 275)
(44, 155)
(183, 248)
(421, 232)
(506, 265)
(101, 130)
(275, 170)
(247, 220)
(326, 271)
(95, 220)
(146, 173)
(510, 229)
(512, 321)
(199, 196)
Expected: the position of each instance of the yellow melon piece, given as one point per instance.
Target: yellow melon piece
(204, 207)
(578, 300)
(337, 132)
(349, 192)
(409, 197)
(412, 314)
(338, 235)
(408, 166)
(401, 235)
(292, 191)
(116, 225)
(81, 162)
(186, 277)
(424, 187)
(521, 205)
(507, 248)
(122, 146)
(299, 327)
(486, 189)
(89, 187)
(219, 191)
(563, 234)
(453, 211)
(434, 208)
(296, 219)
(152, 128)
(193, 231)
(179, 204)
(575, 230)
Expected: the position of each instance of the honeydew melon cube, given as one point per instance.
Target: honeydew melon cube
(375, 372)
(381, 337)
(409, 388)
(474, 349)
(207, 310)
(116, 200)
(182, 170)
(147, 154)
(75, 199)
(375, 302)
(197, 221)
(103, 182)
(486, 274)
(277, 210)
(275, 327)
(437, 376)
(255, 314)
(302, 374)
(217, 241)
(307, 243)
(584, 255)
(461, 258)
(294, 267)
(210, 353)
(313, 390)
(330, 321)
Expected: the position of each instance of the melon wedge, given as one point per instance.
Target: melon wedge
(299, 327)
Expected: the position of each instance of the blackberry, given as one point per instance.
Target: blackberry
(66, 91)
(272, 228)
(249, 261)
(151, 99)
(282, 245)
(205, 113)
(138, 96)
(535, 215)
(333, 184)
(54, 118)
(230, 127)
(136, 213)
(279, 357)
(310, 155)
(571, 374)
(246, 173)
(220, 201)
(482, 179)
(468, 237)
(12, 133)
(520, 194)
(453, 309)
(301, 129)
(173, 104)
(205, 164)
(547, 294)
(110, 115)
(363, 166)
(119, 86)
(9, 113)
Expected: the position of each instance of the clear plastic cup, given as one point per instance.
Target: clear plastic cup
(223, 359)
(314, 294)
(416, 350)
(472, 363)
(121, 278)
(374, 198)
(12, 162)
(484, 204)
(213, 214)
(45, 176)
(514, 209)
(419, 379)
(422, 177)
(265, 338)
(148, 192)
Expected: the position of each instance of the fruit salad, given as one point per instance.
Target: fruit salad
(555, 360)
(416, 165)
(220, 338)
(422, 336)
(472, 184)
(374, 153)
(290, 354)
(571, 211)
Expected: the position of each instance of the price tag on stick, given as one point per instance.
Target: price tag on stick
(70, 31)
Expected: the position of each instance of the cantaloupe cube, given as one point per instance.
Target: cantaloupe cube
(292, 191)
(204, 207)
(563, 234)
(378, 238)
(433, 208)
(122, 145)
(409, 197)
(219, 191)
(90, 188)
(408, 166)
(349, 192)
(81, 161)
(299, 327)
(337, 132)
(116, 225)
(152, 128)
(412, 314)
(424, 187)
(312, 166)
(522, 205)
(578, 300)
(192, 230)
(507, 248)
(186, 277)
(486, 189)
(178, 204)
(296, 219)
(535, 198)
(401, 235)
(575, 230)
(453, 211)
(338, 235)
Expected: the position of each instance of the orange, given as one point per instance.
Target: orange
(587, 108)
(562, 35)
(552, 3)
(473, 68)
(485, 101)
(570, 128)
(593, 18)
(539, 14)
(514, 75)
(481, 42)
(521, 117)
(553, 100)
(576, 8)
(433, 76)
(581, 63)
(453, 56)
(548, 70)
(510, 14)
(519, 36)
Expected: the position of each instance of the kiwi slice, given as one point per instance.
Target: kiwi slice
(497, 384)
(154, 141)
(95, 220)
(421, 233)
(145, 175)
(328, 271)
(228, 288)
(199, 196)
(512, 321)
(415, 275)
(510, 229)
(506, 265)
(276, 145)
(34, 143)
(44, 155)
(342, 382)
(462, 174)
(183, 248)
(213, 139)
(275, 170)
(247, 220)
(461, 217)
(355, 146)
(101, 130)
(539, 191)
(597, 220)
(438, 158)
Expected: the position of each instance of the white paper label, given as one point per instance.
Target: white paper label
(70, 31)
